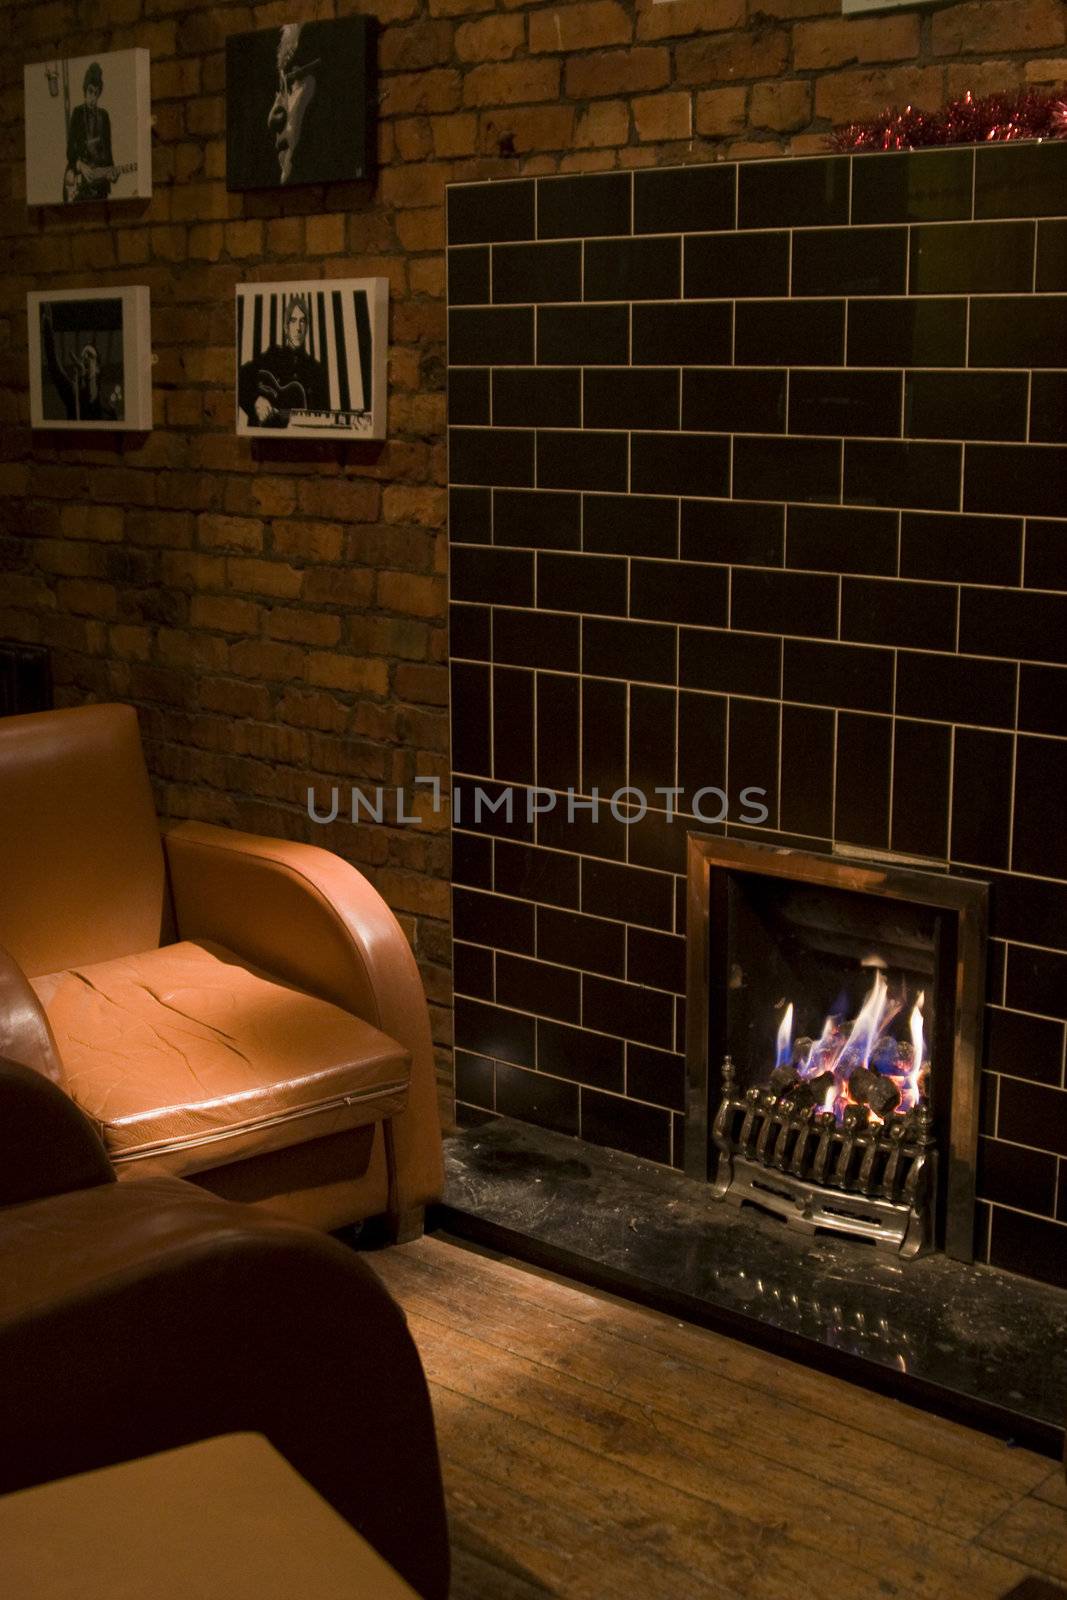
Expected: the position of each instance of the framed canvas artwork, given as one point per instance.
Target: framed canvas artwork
(88, 129)
(300, 104)
(311, 358)
(90, 359)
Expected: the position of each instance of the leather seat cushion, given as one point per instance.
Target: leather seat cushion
(187, 1058)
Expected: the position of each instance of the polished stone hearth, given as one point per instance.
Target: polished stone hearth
(983, 1345)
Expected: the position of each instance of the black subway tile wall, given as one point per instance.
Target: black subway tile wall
(758, 517)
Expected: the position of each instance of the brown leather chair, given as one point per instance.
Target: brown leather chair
(138, 1317)
(242, 1011)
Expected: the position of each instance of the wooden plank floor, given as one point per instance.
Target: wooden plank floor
(592, 1448)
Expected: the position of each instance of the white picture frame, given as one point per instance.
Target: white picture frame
(90, 354)
(311, 359)
(88, 129)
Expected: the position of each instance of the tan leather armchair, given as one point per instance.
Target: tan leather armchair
(242, 1011)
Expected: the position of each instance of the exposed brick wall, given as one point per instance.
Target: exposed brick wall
(277, 614)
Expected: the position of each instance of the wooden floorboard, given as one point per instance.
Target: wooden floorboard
(592, 1448)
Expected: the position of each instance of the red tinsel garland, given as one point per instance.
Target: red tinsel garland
(1035, 114)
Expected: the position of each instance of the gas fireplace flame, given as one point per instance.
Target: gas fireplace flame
(785, 1039)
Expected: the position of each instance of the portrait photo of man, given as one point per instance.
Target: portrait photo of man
(88, 129)
(82, 360)
(89, 158)
(299, 104)
(284, 377)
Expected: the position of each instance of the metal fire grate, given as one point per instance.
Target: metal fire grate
(865, 1176)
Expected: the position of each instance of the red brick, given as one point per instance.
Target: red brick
(303, 627)
(783, 105)
(425, 685)
(720, 112)
(991, 25)
(273, 578)
(411, 595)
(454, 135)
(527, 128)
(405, 93)
(754, 54)
(493, 38)
(617, 72)
(409, 49)
(82, 596)
(679, 18)
(348, 587)
(851, 96)
(229, 533)
(511, 83)
(605, 122)
(351, 674)
(265, 658)
(224, 614)
(664, 116)
(580, 25)
(306, 708)
(843, 40)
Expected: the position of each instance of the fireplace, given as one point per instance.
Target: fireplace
(834, 1025)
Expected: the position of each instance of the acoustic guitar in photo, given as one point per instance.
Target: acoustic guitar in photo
(283, 398)
(79, 182)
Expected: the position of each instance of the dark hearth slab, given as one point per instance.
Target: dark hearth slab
(975, 1343)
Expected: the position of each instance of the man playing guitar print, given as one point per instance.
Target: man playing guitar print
(284, 377)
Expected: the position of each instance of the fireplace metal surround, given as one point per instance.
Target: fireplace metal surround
(926, 1197)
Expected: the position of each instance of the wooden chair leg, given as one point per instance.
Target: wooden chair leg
(401, 1227)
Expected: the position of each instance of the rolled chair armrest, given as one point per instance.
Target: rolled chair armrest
(311, 919)
(25, 1033)
(47, 1147)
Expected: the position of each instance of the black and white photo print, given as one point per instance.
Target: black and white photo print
(300, 104)
(88, 129)
(90, 359)
(311, 358)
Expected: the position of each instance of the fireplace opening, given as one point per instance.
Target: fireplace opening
(833, 1060)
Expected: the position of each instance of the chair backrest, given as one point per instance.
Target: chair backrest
(81, 864)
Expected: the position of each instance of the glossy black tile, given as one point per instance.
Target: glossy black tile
(753, 736)
(513, 725)
(491, 336)
(541, 397)
(999, 623)
(679, 591)
(491, 576)
(733, 399)
(474, 1080)
(653, 739)
(491, 808)
(850, 261)
(590, 1058)
(1018, 331)
(633, 269)
(626, 1009)
(634, 398)
(469, 632)
(575, 208)
(472, 858)
(1024, 1179)
(1048, 407)
(1031, 1113)
(1024, 1046)
(468, 395)
(472, 970)
(732, 663)
(536, 272)
(470, 516)
(654, 842)
(1037, 981)
(793, 194)
(630, 525)
(603, 734)
(537, 1098)
(966, 405)
(679, 463)
(1051, 256)
(922, 759)
(956, 689)
(548, 521)
(786, 469)
(685, 198)
(1042, 700)
(1016, 478)
(655, 1075)
(558, 731)
(549, 991)
(892, 612)
(701, 743)
(842, 539)
(589, 335)
(1028, 1245)
(536, 639)
(1040, 841)
(972, 258)
(677, 333)
(582, 583)
(647, 896)
(912, 185)
(491, 456)
(468, 276)
(807, 798)
(490, 919)
(741, 531)
(1025, 180)
(471, 737)
(907, 333)
(547, 876)
(640, 1130)
(487, 211)
(981, 797)
(591, 944)
(1028, 909)
(581, 460)
(960, 549)
(838, 675)
(643, 651)
(767, 601)
(845, 403)
(861, 789)
(488, 1030)
(736, 266)
(902, 473)
(792, 333)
